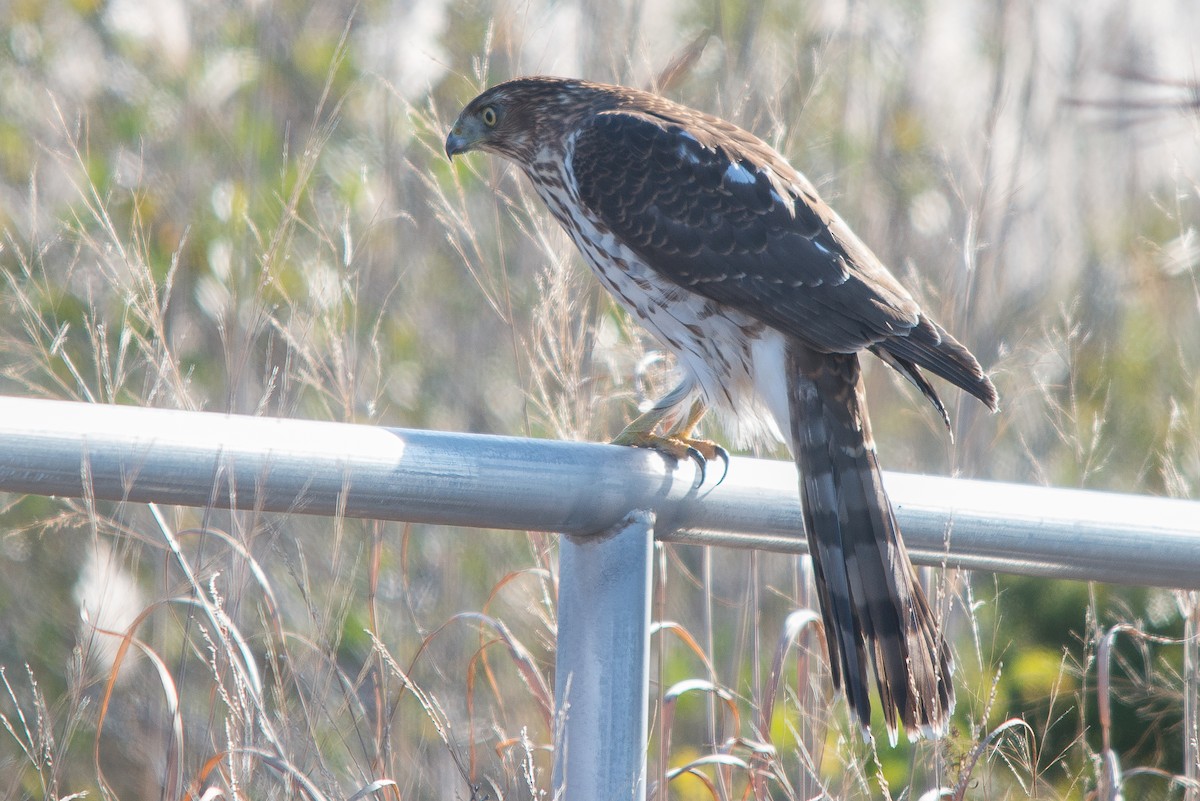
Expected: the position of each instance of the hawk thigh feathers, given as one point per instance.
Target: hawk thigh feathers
(728, 256)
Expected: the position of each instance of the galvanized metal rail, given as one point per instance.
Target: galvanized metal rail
(199, 459)
(233, 461)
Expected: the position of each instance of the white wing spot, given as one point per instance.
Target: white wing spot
(735, 173)
(821, 247)
(687, 153)
(688, 146)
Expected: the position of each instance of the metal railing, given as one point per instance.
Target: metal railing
(578, 489)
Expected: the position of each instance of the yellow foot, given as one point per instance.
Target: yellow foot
(701, 451)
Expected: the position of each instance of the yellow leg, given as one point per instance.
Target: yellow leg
(688, 424)
(677, 442)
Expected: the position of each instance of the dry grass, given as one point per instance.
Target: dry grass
(254, 215)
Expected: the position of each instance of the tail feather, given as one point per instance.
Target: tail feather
(874, 610)
(913, 373)
(931, 346)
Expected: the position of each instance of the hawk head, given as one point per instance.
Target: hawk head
(517, 118)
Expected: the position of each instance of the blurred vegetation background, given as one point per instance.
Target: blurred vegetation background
(245, 207)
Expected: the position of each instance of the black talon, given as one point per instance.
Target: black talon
(698, 457)
(723, 455)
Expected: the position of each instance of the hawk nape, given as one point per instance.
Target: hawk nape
(726, 254)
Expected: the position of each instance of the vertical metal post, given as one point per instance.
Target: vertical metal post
(601, 685)
(1190, 603)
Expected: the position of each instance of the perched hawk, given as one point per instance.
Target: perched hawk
(765, 296)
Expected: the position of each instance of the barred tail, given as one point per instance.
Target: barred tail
(874, 610)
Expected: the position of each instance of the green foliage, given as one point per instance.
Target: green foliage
(246, 207)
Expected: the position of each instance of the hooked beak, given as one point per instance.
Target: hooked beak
(463, 137)
(456, 143)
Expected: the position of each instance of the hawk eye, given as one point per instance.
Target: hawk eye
(488, 115)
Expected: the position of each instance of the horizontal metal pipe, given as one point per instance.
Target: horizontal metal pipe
(232, 461)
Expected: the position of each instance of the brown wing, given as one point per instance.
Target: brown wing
(718, 212)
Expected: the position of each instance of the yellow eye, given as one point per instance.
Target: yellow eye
(488, 115)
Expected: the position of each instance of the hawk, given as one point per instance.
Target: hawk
(710, 239)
